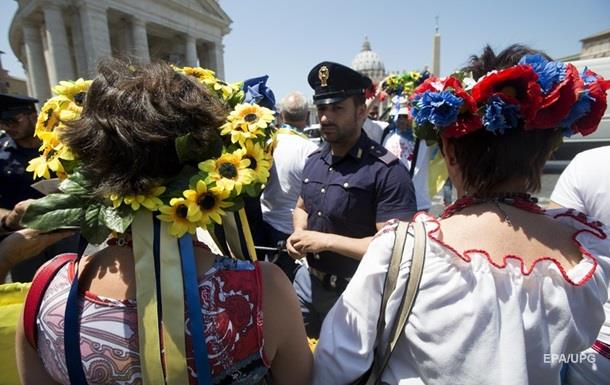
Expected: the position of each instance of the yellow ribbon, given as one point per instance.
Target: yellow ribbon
(231, 230)
(146, 298)
(172, 300)
(288, 131)
(437, 174)
(247, 234)
(229, 227)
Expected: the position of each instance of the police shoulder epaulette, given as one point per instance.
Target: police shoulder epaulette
(382, 154)
(4, 139)
(315, 152)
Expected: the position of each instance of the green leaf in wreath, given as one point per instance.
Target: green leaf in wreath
(75, 184)
(55, 211)
(192, 149)
(179, 183)
(117, 219)
(93, 227)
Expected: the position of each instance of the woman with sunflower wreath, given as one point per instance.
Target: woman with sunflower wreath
(500, 291)
(150, 153)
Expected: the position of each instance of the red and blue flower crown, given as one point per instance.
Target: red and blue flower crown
(534, 94)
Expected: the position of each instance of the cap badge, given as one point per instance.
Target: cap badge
(323, 75)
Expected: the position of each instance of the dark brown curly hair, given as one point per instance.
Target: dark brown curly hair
(132, 114)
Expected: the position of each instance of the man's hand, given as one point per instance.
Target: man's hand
(13, 219)
(24, 244)
(306, 241)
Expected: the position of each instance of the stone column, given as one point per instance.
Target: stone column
(60, 59)
(78, 46)
(218, 54)
(38, 78)
(190, 51)
(140, 40)
(202, 55)
(94, 24)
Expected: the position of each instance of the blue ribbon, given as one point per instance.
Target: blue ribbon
(72, 327)
(191, 290)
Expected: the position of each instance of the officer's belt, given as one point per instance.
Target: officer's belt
(331, 279)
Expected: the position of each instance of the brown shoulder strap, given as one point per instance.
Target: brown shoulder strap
(417, 266)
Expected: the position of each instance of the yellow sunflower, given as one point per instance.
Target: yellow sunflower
(313, 342)
(48, 117)
(230, 171)
(246, 121)
(72, 89)
(225, 90)
(151, 200)
(71, 112)
(260, 162)
(49, 140)
(203, 75)
(206, 204)
(176, 214)
(42, 165)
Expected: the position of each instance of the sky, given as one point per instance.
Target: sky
(286, 38)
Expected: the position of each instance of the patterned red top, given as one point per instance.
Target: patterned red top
(231, 297)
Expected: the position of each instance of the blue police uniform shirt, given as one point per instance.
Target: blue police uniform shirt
(349, 195)
(15, 181)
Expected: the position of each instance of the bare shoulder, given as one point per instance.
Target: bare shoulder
(275, 282)
(527, 235)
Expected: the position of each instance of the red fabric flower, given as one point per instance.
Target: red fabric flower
(557, 104)
(516, 85)
(597, 90)
(371, 91)
(465, 124)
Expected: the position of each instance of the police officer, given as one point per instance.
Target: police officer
(17, 146)
(351, 186)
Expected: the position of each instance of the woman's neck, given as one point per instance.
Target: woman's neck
(512, 186)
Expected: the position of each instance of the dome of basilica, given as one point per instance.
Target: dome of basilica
(369, 63)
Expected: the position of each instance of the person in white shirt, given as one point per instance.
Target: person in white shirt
(585, 186)
(509, 291)
(403, 145)
(294, 111)
(284, 185)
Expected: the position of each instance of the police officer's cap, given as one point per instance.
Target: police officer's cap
(11, 105)
(334, 82)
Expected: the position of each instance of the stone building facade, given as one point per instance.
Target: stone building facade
(64, 39)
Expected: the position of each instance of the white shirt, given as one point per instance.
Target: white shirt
(472, 322)
(403, 149)
(284, 185)
(585, 186)
(374, 129)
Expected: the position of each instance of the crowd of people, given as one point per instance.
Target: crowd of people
(505, 292)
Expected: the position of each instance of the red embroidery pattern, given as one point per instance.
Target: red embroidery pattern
(593, 228)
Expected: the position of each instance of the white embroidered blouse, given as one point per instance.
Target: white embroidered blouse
(474, 321)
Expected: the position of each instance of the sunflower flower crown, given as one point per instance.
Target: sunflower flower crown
(195, 198)
(534, 94)
(404, 83)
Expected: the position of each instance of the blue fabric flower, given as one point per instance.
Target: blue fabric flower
(587, 78)
(580, 109)
(500, 116)
(438, 108)
(256, 91)
(549, 72)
